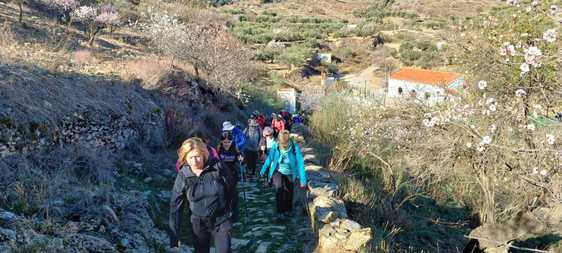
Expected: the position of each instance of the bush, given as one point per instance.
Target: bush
(294, 56)
(266, 54)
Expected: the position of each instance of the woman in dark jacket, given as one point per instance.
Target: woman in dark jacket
(207, 187)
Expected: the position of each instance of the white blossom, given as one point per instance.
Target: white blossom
(84, 13)
(486, 140)
(549, 35)
(469, 144)
(524, 68)
(507, 49)
(490, 101)
(480, 148)
(492, 107)
(535, 3)
(528, 9)
(493, 128)
(482, 84)
(520, 92)
(544, 173)
(427, 123)
(531, 127)
(108, 15)
(62, 5)
(550, 139)
(533, 56)
(553, 9)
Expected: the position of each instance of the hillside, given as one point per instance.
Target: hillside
(96, 96)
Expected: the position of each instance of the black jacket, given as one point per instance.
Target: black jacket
(210, 196)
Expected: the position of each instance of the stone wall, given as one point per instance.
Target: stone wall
(329, 220)
(92, 129)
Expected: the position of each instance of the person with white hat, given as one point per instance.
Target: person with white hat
(237, 134)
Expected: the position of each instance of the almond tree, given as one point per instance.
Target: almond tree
(62, 7)
(107, 17)
(210, 49)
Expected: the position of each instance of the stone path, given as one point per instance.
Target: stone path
(259, 229)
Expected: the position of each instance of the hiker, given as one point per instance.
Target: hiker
(287, 118)
(205, 186)
(237, 133)
(260, 119)
(297, 119)
(277, 124)
(212, 151)
(283, 165)
(253, 137)
(266, 143)
(230, 156)
(229, 153)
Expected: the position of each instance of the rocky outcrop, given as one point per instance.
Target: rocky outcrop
(122, 224)
(329, 219)
(542, 225)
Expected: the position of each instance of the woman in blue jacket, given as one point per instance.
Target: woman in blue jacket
(284, 164)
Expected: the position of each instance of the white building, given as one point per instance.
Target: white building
(289, 98)
(424, 85)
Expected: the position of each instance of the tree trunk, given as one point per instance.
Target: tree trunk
(488, 206)
(196, 68)
(93, 34)
(20, 5)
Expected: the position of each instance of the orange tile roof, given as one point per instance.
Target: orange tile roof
(436, 78)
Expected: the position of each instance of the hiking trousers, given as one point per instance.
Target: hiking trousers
(283, 192)
(251, 157)
(203, 233)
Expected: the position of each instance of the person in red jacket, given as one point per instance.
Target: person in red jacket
(277, 124)
(260, 119)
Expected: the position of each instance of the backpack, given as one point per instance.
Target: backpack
(293, 150)
(239, 138)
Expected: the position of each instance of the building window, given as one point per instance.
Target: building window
(400, 90)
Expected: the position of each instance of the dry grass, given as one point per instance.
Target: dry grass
(443, 9)
(319, 8)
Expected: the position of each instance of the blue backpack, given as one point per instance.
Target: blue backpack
(239, 138)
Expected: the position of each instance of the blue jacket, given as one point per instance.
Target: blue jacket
(239, 138)
(296, 161)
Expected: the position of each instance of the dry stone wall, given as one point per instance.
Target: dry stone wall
(94, 130)
(330, 222)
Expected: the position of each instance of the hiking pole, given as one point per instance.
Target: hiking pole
(305, 200)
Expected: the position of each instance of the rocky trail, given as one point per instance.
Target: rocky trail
(259, 229)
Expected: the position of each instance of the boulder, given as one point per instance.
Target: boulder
(7, 235)
(326, 209)
(343, 235)
(7, 217)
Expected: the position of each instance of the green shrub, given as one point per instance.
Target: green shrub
(294, 56)
(266, 54)
(234, 11)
